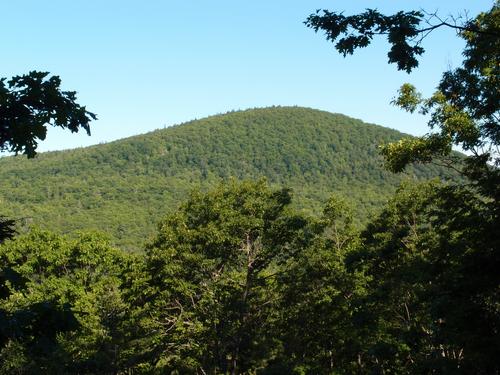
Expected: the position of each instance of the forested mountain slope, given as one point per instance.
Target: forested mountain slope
(125, 187)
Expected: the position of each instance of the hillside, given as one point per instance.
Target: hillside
(124, 187)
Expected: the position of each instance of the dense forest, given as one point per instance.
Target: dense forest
(124, 188)
(238, 281)
(283, 247)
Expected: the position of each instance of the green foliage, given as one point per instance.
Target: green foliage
(7, 228)
(61, 306)
(237, 281)
(431, 259)
(398, 155)
(27, 104)
(317, 300)
(30, 102)
(401, 30)
(465, 110)
(409, 98)
(211, 278)
(123, 188)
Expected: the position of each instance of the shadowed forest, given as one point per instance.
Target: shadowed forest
(282, 240)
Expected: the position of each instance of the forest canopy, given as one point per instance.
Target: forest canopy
(238, 279)
(125, 187)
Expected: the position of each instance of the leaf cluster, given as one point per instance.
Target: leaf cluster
(29, 103)
(359, 30)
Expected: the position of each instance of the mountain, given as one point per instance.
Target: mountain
(125, 187)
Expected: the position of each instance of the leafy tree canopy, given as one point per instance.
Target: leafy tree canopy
(27, 104)
(465, 109)
(30, 102)
(60, 305)
(212, 271)
(430, 259)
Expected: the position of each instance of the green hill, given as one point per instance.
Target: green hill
(125, 186)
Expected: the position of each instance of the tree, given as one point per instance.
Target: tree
(318, 298)
(61, 309)
(7, 228)
(431, 260)
(29, 103)
(432, 255)
(211, 286)
(464, 111)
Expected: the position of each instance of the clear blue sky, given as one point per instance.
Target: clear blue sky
(143, 65)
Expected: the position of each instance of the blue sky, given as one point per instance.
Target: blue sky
(143, 65)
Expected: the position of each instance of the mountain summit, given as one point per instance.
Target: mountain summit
(125, 187)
